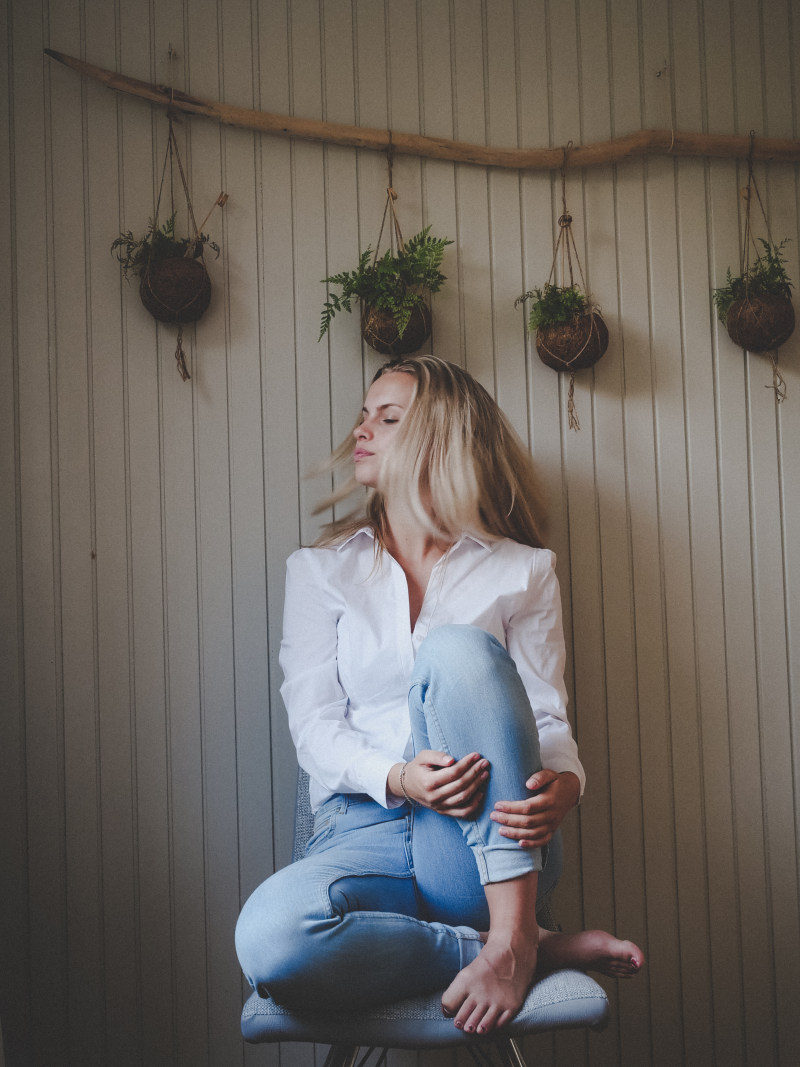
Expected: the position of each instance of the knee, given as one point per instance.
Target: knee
(271, 939)
(458, 650)
(459, 640)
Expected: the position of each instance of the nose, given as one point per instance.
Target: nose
(362, 432)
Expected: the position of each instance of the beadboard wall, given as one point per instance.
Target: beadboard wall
(146, 772)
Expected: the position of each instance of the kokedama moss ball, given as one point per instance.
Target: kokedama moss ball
(760, 322)
(176, 290)
(379, 330)
(573, 345)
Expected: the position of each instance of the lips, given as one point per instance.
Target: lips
(361, 453)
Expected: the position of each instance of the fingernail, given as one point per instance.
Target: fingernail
(459, 1025)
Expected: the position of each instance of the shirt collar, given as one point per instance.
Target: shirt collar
(368, 531)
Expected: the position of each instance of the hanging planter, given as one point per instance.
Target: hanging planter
(755, 306)
(395, 318)
(760, 322)
(380, 330)
(174, 284)
(176, 290)
(570, 332)
(569, 329)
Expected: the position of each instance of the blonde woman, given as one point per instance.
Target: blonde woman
(423, 658)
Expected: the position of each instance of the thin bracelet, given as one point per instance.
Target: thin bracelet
(403, 784)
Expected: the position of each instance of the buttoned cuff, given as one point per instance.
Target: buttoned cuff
(373, 774)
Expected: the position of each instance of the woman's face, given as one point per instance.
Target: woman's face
(387, 401)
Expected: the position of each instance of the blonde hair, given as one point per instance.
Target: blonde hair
(456, 464)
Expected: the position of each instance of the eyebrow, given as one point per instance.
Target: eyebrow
(382, 407)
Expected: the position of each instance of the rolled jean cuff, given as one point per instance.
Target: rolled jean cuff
(469, 944)
(500, 864)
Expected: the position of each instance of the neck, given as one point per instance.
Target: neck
(406, 539)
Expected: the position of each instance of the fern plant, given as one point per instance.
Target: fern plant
(396, 283)
(766, 276)
(554, 304)
(159, 242)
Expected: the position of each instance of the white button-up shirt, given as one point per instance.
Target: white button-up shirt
(348, 651)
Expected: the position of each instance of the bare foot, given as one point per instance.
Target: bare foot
(490, 991)
(590, 950)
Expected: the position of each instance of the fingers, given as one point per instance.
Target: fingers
(455, 788)
(462, 778)
(523, 821)
(541, 779)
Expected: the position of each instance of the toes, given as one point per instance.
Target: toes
(462, 1020)
(474, 1020)
(490, 1020)
(452, 1000)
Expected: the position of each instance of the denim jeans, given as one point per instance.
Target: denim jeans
(387, 903)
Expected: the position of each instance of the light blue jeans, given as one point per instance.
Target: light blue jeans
(387, 904)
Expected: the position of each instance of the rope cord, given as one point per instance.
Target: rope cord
(566, 241)
(747, 194)
(396, 242)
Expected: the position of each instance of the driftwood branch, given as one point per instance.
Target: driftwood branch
(640, 143)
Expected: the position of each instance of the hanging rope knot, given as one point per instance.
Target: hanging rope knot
(564, 220)
(392, 193)
(778, 384)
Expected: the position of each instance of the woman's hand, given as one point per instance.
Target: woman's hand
(533, 822)
(437, 781)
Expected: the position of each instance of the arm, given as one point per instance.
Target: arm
(338, 757)
(535, 641)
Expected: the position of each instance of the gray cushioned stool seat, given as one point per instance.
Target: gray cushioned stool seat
(562, 999)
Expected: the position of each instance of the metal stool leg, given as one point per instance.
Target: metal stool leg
(341, 1056)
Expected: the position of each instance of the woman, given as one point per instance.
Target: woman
(423, 660)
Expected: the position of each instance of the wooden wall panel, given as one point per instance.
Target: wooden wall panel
(15, 987)
(147, 772)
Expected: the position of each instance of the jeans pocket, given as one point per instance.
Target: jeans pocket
(324, 824)
(320, 836)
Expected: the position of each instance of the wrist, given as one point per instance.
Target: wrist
(572, 783)
(393, 786)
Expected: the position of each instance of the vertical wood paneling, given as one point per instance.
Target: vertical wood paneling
(148, 775)
(266, 757)
(75, 503)
(15, 984)
(112, 543)
(144, 449)
(38, 520)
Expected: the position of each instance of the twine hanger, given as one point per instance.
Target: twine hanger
(565, 245)
(171, 155)
(396, 242)
(748, 241)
